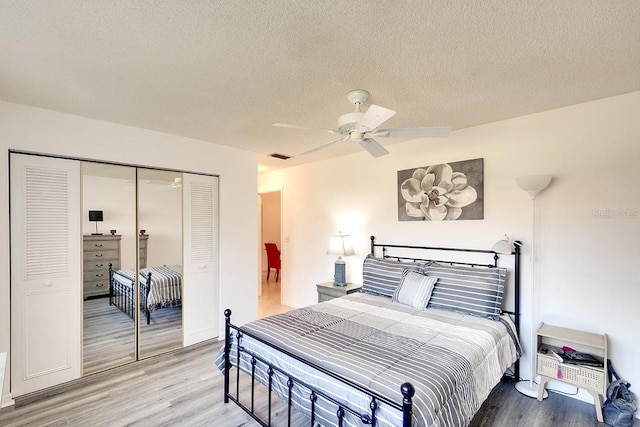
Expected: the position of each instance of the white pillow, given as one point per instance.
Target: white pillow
(414, 289)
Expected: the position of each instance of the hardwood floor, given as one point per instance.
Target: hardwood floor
(109, 334)
(184, 388)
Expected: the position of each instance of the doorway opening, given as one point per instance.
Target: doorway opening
(271, 279)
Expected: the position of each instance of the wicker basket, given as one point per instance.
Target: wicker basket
(583, 376)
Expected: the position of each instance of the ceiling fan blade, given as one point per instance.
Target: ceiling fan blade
(372, 146)
(431, 132)
(374, 117)
(282, 125)
(329, 144)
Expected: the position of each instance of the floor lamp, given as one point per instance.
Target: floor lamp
(533, 185)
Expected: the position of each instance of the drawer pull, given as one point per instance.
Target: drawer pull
(99, 255)
(99, 275)
(98, 245)
(99, 265)
(100, 285)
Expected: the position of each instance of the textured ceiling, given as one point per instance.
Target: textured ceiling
(224, 71)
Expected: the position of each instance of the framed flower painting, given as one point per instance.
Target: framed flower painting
(444, 192)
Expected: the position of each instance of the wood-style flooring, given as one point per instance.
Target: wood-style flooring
(184, 388)
(109, 334)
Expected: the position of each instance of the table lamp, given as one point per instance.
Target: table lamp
(340, 245)
(96, 216)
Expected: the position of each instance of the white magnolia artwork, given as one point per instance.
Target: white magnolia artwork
(448, 191)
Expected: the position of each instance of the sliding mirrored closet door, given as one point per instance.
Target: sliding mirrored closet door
(110, 264)
(109, 243)
(160, 241)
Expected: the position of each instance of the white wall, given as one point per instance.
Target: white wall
(160, 215)
(38, 130)
(117, 200)
(588, 220)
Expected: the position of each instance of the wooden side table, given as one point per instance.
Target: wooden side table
(328, 290)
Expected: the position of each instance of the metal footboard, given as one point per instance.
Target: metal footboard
(342, 408)
(123, 297)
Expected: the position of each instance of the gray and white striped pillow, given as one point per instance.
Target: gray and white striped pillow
(382, 277)
(414, 289)
(470, 290)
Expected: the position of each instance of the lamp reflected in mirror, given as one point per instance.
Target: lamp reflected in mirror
(96, 216)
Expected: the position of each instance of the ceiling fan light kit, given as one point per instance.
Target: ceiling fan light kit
(349, 122)
(358, 126)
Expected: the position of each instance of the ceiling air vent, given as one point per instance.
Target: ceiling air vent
(280, 156)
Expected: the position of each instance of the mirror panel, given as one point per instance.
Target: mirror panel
(160, 240)
(109, 237)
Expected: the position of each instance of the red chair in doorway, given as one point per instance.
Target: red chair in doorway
(273, 259)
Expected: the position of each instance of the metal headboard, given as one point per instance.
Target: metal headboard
(385, 249)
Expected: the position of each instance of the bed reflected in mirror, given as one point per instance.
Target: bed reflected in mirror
(160, 274)
(109, 238)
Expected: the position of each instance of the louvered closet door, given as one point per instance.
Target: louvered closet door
(45, 272)
(200, 237)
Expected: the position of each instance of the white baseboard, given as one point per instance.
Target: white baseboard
(7, 400)
(292, 305)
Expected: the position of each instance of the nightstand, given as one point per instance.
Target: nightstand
(328, 290)
(591, 378)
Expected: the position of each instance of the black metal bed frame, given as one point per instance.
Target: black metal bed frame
(122, 296)
(406, 389)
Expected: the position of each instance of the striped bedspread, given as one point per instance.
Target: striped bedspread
(453, 360)
(166, 283)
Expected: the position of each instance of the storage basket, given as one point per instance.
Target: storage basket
(582, 376)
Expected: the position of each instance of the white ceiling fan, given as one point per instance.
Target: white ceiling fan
(360, 126)
(175, 182)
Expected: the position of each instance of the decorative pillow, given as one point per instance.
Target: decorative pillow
(470, 290)
(414, 289)
(382, 276)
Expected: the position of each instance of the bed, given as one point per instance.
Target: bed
(389, 355)
(159, 287)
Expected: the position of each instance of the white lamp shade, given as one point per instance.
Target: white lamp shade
(533, 184)
(340, 244)
(503, 246)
